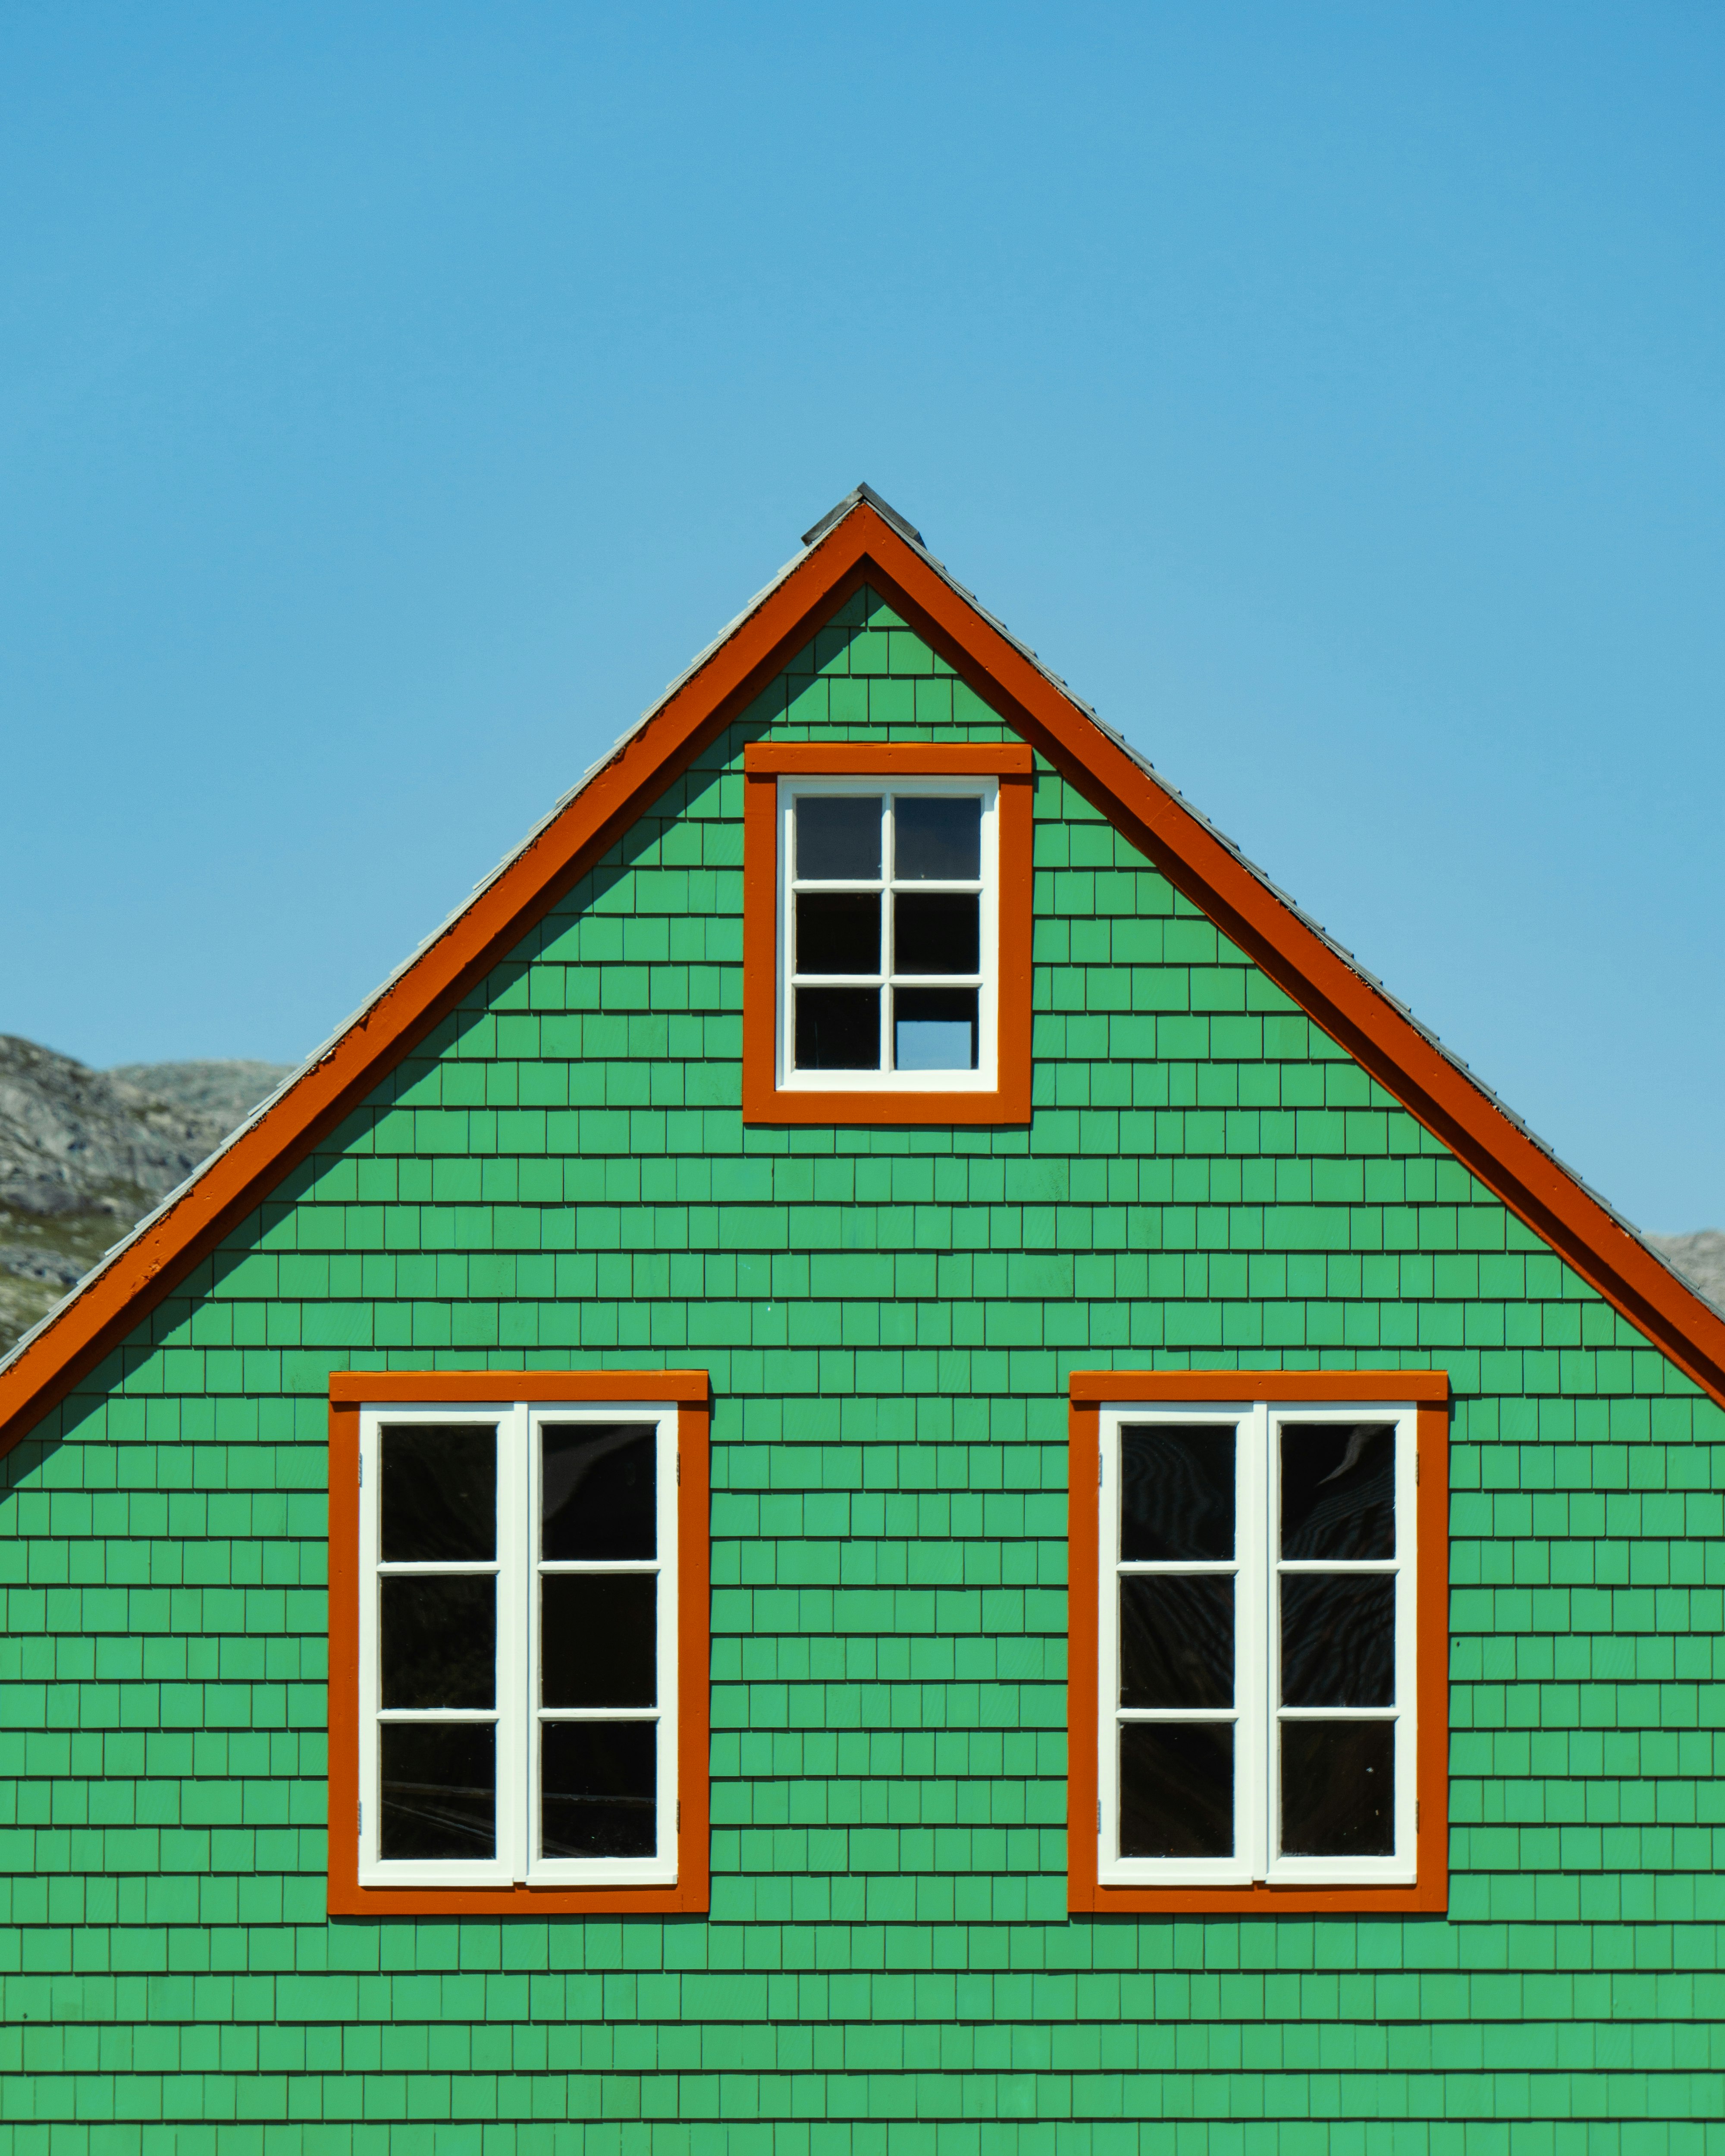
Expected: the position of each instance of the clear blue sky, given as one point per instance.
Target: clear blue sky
(391, 398)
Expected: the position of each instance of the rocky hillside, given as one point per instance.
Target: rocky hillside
(86, 1153)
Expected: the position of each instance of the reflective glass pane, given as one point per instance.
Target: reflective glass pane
(439, 1492)
(936, 932)
(597, 1788)
(439, 1789)
(1337, 1639)
(1177, 1789)
(1177, 1491)
(937, 838)
(439, 1646)
(597, 1496)
(838, 837)
(837, 931)
(1337, 1489)
(934, 1029)
(597, 1639)
(838, 1028)
(1338, 1789)
(1176, 1640)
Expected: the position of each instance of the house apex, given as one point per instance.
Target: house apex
(863, 492)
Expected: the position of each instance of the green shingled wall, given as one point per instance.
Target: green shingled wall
(561, 1179)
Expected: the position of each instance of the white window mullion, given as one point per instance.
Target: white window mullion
(514, 1661)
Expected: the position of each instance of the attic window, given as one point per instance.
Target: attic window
(887, 896)
(888, 949)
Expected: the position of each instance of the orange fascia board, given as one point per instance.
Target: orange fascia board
(692, 1391)
(1428, 1390)
(764, 1101)
(863, 548)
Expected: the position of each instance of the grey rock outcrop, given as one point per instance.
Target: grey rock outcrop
(85, 1154)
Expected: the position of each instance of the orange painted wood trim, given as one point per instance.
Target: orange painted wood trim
(691, 1892)
(763, 1100)
(451, 1387)
(1086, 1895)
(1098, 1386)
(860, 548)
(890, 759)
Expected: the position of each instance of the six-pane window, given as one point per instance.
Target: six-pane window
(518, 1645)
(1256, 1640)
(888, 933)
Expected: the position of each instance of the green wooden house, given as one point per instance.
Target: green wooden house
(879, 1464)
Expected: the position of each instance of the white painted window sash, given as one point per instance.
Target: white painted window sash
(516, 1714)
(984, 1078)
(1256, 1569)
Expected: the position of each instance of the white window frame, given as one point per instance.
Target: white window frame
(1256, 1714)
(985, 1078)
(517, 1715)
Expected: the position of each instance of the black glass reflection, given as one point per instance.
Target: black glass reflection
(1177, 1639)
(1338, 1789)
(598, 1644)
(1337, 1489)
(439, 1789)
(934, 1029)
(597, 1490)
(439, 1492)
(837, 931)
(838, 1028)
(439, 1638)
(1177, 1789)
(597, 1788)
(1177, 1491)
(838, 837)
(1337, 1639)
(937, 838)
(937, 932)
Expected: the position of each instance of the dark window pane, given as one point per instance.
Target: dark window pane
(597, 1490)
(1337, 1489)
(1177, 1789)
(1338, 1789)
(937, 838)
(597, 1788)
(1176, 1641)
(440, 1491)
(1337, 1639)
(936, 932)
(439, 1639)
(837, 931)
(934, 1029)
(838, 837)
(838, 1028)
(597, 1639)
(440, 1789)
(1177, 1491)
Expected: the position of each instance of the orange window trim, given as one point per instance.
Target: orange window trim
(763, 1100)
(691, 1390)
(1429, 1392)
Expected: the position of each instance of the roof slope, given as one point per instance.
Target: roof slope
(862, 539)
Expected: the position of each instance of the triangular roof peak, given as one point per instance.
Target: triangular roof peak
(862, 539)
(863, 492)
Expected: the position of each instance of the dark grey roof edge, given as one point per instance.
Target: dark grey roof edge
(858, 495)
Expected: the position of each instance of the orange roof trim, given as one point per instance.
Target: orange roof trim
(862, 543)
